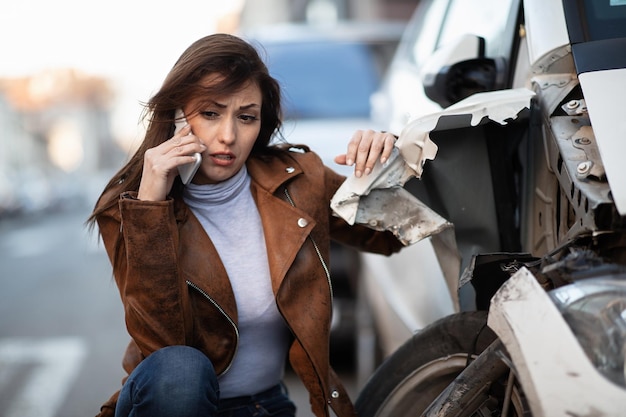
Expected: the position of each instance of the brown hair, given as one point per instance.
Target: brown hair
(237, 63)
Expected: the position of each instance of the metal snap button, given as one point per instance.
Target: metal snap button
(335, 394)
(290, 170)
(302, 222)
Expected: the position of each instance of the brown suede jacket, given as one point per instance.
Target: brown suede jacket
(175, 290)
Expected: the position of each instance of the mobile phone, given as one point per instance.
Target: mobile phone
(186, 171)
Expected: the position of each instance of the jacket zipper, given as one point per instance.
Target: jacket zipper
(232, 323)
(326, 270)
(319, 254)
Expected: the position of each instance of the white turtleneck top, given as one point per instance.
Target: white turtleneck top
(230, 217)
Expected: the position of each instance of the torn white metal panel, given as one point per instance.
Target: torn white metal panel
(391, 208)
(393, 173)
(398, 211)
(498, 106)
(604, 92)
(524, 318)
(379, 201)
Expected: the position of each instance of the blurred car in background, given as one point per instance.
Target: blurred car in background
(328, 73)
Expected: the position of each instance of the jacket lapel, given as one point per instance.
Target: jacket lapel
(286, 227)
(210, 277)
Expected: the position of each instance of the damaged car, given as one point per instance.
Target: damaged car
(510, 185)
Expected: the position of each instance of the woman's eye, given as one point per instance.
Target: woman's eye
(209, 114)
(248, 118)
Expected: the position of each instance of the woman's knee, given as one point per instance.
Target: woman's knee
(174, 376)
(180, 367)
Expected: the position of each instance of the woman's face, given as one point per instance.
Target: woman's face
(228, 126)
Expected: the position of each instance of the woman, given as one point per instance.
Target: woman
(225, 277)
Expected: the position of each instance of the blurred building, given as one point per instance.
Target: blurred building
(55, 131)
(264, 12)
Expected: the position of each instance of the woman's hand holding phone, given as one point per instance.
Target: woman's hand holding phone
(186, 171)
(161, 163)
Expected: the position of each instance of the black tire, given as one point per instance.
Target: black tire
(412, 377)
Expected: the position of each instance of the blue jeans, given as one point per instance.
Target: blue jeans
(180, 381)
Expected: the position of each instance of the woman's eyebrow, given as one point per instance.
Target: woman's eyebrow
(216, 104)
(244, 107)
(249, 106)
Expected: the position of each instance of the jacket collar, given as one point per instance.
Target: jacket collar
(269, 172)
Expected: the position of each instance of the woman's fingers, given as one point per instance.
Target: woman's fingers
(160, 163)
(365, 148)
(177, 151)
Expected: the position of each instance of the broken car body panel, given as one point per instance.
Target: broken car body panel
(522, 314)
(351, 201)
(379, 201)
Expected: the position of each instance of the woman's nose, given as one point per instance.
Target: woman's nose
(227, 132)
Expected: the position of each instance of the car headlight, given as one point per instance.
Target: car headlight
(595, 310)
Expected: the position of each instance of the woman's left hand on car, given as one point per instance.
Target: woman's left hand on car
(365, 148)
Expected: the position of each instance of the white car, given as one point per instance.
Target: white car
(523, 100)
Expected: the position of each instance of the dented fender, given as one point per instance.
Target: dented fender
(390, 208)
(379, 200)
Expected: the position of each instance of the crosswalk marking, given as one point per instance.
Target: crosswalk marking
(54, 364)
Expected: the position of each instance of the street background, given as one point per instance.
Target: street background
(72, 84)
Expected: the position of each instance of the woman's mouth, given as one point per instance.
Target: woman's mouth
(223, 159)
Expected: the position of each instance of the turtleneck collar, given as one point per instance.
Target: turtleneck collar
(202, 194)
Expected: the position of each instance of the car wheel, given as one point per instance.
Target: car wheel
(412, 377)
